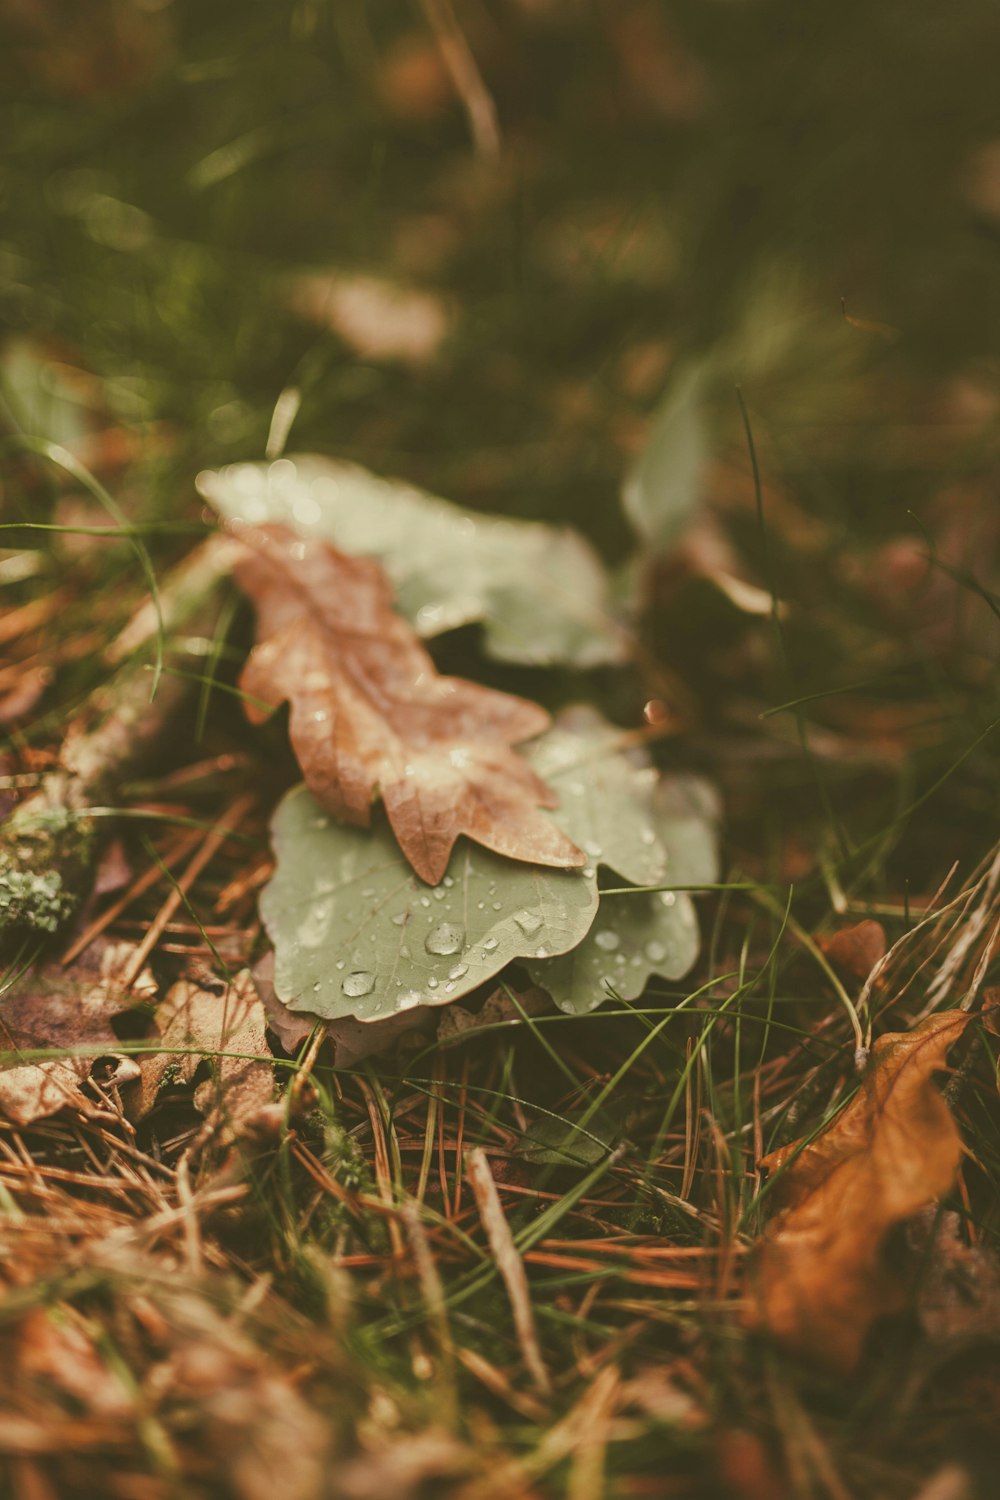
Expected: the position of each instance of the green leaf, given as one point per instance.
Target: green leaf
(556, 1142)
(540, 593)
(664, 486)
(641, 933)
(356, 933)
(613, 804)
(634, 936)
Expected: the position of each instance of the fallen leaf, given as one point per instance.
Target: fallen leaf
(356, 933)
(664, 832)
(820, 1281)
(540, 592)
(617, 807)
(62, 1009)
(352, 1041)
(855, 950)
(370, 714)
(378, 318)
(227, 1030)
(554, 1141)
(499, 1009)
(635, 936)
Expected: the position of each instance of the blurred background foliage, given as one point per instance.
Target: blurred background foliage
(207, 205)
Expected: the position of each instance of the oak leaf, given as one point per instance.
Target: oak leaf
(820, 1278)
(371, 716)
(226, 1029)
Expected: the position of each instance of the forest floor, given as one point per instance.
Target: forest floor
(522, 1253)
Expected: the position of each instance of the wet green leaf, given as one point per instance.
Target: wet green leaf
(357, 933)
(641, 933)
(634, 937)
(540, 593)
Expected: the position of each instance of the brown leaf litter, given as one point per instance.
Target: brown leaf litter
(52, 1009)
(228, 1028)
(59, 1010)
(820, 1280)
(370, 714)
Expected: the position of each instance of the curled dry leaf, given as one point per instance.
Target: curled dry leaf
(227, 1029)
(54, 1009)
(820, 1281)
(855, 950)
(370, 714)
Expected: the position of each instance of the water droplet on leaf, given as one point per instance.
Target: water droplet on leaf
(446, 937)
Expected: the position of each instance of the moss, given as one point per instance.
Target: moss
(46, 859)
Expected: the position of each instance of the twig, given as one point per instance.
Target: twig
(465, 75)
(509, 1264)
(209, 848)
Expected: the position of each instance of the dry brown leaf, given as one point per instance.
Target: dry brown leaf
(380, 319)
(352, 1041)
(855, 950)
(227, 1029)
(369, 713)
(820, 1282)
(497, 1009)
(56, 1008)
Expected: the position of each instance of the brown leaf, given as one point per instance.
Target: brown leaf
(497, 1010)
(352, 1041)
(370, 715)
(56, 1008)
(820, 1282)
(855, 950)
(379, 319)
(225, 1029)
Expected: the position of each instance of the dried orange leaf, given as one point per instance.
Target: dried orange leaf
(371, 716)
(820, 1279)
